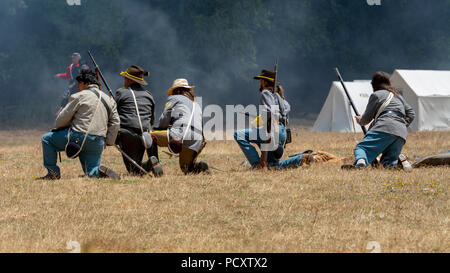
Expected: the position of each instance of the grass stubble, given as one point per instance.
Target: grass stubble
(314, 209)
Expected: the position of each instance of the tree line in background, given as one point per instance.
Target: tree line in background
(218, 45)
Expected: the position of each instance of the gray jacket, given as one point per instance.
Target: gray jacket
(285, 107)
(269, 104)
(177, 114)
(127, 108)
(80, 113)
(395, 122)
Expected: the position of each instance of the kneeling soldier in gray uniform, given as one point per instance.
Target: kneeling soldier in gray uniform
(181, 127)
(136, 109)
(391, 117)
(85, 125)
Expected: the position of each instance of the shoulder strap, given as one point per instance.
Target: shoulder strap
(105, 104)
(400, 97)
(384, 105)
(185, 133)
(280, 106)
(137, 110)
(190, 121)
(88, 129)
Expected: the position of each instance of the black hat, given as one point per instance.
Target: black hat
(266, 75)
(87, 75)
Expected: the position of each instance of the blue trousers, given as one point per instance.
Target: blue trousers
(375, 143)
(247, 136)
(90, 156)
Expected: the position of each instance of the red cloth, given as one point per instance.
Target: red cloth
(68, 74)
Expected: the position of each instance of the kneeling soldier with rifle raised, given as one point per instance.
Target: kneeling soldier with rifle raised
(391, 117)
(85, 125)
(273, 125)
(136, 109)
(181, 127)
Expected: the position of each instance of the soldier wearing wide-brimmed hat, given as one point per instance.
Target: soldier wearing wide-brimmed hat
(135, 74)
(136, 108)
(266, 75)
(267, 78)
(272, 126)
(181, 128)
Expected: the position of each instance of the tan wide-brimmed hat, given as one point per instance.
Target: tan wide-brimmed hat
(135, 73)
(177, 84)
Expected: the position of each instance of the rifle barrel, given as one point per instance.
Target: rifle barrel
(276, 77)
(349, 97)
(100, 73)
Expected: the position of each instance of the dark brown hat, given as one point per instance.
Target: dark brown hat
(135, 73)
(266, 75)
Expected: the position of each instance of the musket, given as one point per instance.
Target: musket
(96, 71)
(276, 76)
(217, 169)
(132, 161)
(349, 98)
(375, 162)
(99, 73)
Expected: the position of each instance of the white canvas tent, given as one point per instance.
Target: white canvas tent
(336, 114)
(428, 92)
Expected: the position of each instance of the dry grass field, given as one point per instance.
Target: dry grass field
(315, 209)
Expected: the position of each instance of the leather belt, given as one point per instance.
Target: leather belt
(396, 113)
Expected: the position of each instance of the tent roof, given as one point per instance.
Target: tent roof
(355, 87)
(336, 115)
(427, 82)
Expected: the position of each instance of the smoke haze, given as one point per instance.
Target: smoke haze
(217, 45)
